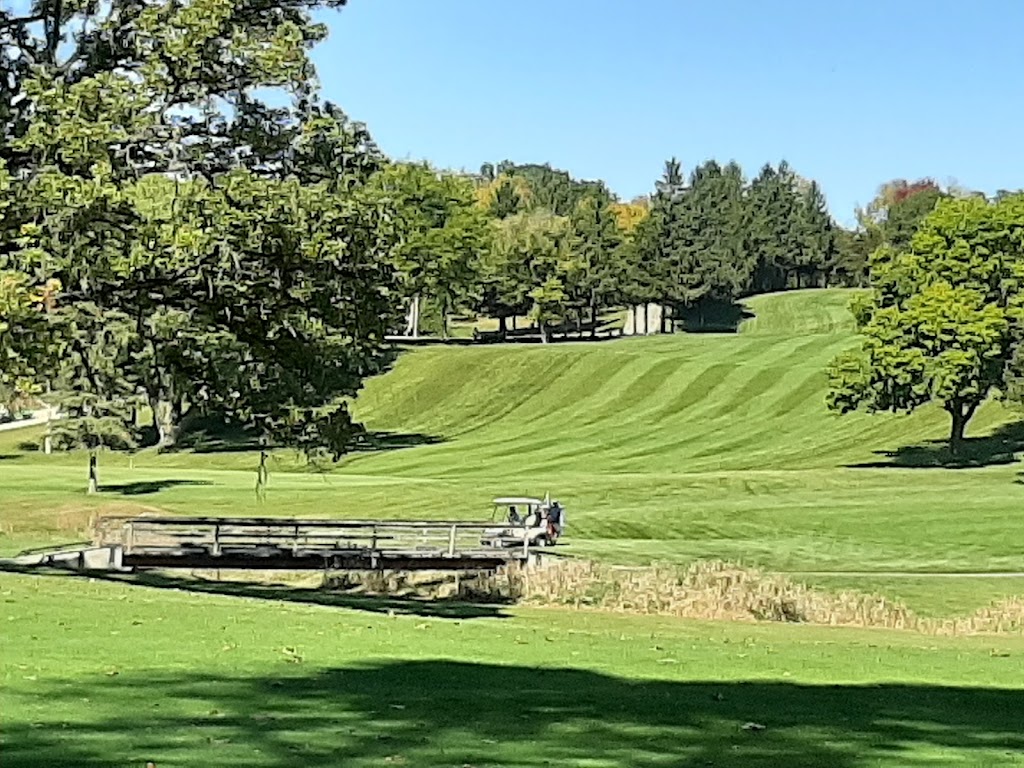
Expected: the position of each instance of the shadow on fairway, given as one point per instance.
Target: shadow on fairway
(373, 442)
(434, 608)
(146, 487)
(210, 435)
(437, 713)
(713, 317)
(1001, 447)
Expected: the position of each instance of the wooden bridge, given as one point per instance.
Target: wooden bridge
(285, 544)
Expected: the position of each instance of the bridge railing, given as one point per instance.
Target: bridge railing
(216, 536)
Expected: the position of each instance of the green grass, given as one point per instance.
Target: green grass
(663, 448)
(97, 674)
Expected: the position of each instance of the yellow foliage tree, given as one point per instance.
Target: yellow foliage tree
(629, 215)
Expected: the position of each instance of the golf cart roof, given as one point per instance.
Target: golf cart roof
(518, 500)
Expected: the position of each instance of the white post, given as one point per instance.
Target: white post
(48, 440)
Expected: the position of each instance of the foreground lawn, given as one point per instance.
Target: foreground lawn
(98, 674)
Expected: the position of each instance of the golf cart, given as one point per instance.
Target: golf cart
(528, 521)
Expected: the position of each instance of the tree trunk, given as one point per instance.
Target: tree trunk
(514, 323)
(543, 328)
(643, 310)
(94, 474)
(262, 477)
(416, 316)
(960, 414)
(593, 317)
(166, 420)
(502, 326)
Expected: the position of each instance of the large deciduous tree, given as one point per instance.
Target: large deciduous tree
(203, 240)
(942, 316)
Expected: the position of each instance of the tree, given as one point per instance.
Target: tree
(764, 226)
(629, 215)
(502, 196)
(815, 256)
(942, 316)
(852, 249)
(719, 255)
(898, 209)
(444, 234)
(538, 245)
(653, 269)
(597, 241)
(25, 349)
(199, 235)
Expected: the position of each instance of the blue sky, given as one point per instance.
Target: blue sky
(850, 93)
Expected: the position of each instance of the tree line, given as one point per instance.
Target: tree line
(529, 240)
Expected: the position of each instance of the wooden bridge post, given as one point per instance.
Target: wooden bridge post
(373, 547)
(451, 542)
(216, 538)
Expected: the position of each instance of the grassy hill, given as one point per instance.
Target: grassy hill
(663, 448)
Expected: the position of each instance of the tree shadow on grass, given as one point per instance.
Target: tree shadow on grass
(376, 441)
(146, 487)
(434, 713)
(212, 434)
(712, 317)
(1001, 447)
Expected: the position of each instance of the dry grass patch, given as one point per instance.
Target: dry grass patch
(707, 590)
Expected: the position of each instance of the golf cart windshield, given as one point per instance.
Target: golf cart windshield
(516, 509)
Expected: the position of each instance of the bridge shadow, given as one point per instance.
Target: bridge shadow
(1002, 446)
(434, 713)
(437, 608)
(434, 608)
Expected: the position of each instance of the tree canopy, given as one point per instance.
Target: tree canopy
(942, 317)
(196, 250)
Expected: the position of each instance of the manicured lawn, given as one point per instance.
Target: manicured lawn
(663, 448)
(98, 674)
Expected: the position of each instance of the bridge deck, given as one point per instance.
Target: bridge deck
(284, 543)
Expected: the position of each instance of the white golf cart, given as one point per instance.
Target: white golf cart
(528, 521)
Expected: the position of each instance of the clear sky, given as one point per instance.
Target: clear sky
(850, 93)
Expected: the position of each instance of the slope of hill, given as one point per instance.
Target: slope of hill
(707, 444)
(683, 403)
